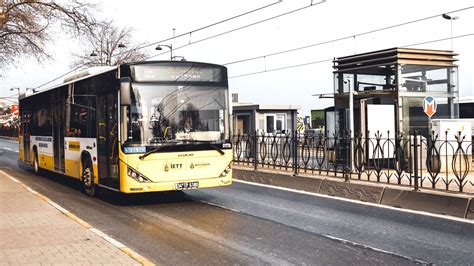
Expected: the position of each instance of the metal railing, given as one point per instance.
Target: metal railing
(436, 162)
(9, 132)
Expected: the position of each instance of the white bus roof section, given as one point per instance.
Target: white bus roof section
(77, 76)
(92, 71)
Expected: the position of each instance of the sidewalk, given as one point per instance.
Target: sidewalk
(32, 231)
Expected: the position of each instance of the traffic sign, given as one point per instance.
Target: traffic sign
(429, 106)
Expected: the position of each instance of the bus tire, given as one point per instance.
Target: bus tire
(87, 178)
(36, 166)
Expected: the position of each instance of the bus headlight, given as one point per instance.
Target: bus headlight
(227, 170)
(137, 176)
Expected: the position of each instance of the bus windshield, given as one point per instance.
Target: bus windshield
(173, 114)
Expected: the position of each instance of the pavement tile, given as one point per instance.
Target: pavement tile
(32, 232)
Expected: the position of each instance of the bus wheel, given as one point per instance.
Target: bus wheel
(36, 167)
(87, 178)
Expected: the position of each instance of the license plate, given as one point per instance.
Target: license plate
(187, 185)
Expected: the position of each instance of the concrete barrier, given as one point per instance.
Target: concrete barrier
(429, 201)
(470, 210)
(352, 191)
(277, 179)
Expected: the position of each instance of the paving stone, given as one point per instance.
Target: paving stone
(32, 232)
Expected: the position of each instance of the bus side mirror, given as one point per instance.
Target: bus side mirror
(125, 91)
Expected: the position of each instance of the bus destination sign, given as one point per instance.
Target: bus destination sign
(149, 73)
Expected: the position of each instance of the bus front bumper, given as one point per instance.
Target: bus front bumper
(136, 187)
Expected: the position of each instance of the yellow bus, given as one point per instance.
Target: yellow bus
(133, 128)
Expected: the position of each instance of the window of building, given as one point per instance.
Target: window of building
(275, 123)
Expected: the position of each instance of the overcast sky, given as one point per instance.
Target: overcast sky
(153, 21)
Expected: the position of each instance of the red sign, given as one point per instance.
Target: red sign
(429, 106)
(15, 109)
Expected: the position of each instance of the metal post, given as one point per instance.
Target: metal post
(349, 149)
(255, 157)
(415, 155)
(294, 147)
(351, 122)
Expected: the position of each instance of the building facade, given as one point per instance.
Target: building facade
(271, 119)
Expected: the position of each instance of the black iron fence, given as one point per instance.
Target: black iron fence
(437, 162)
(9, 131)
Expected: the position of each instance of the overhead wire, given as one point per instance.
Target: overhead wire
(329, 60)
(208, 26)
(271, 54)
(167, 39)
(346, 37)
(282, 68)
(242, 27)
(439, 40)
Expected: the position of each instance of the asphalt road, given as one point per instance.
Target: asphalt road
(246, 224)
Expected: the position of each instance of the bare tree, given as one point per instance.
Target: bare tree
(26, 26)
(104, 42)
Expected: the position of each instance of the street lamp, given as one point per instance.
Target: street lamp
(448, 17)
(121, 45)
(94, 54)
(159, 48)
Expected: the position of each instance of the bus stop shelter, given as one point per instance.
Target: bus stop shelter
(397, 79)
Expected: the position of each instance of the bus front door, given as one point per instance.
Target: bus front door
(108, 140)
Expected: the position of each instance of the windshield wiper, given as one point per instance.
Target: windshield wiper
(221, 152)
(217, 149)
(141, 157)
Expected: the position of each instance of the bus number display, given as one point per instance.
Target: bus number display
(147, 73)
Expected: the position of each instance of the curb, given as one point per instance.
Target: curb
(427, 201)
(470, 210)
(9, 138)
(134, 255)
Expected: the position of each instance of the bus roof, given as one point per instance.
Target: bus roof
(173, 62)
(70, 79)
(94, 71)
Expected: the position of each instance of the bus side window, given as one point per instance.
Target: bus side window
(83, 119)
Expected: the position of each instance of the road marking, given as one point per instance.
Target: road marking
(9, 149)
(186, 228)
(345, 241)
(462, 220)
(108, 238)
(376, 249)
(215, 204)
(117, 244)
